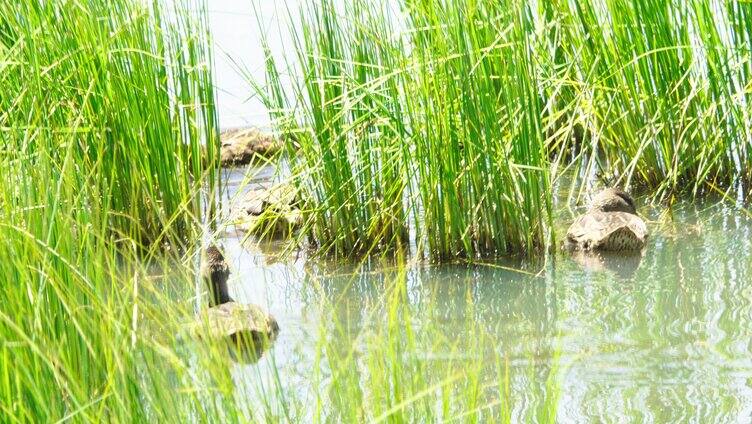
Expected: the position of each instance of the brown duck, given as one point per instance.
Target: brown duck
(226, 318)
(611, 224)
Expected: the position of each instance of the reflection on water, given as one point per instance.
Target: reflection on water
(663, 337)
(622, 265)
(247, 352)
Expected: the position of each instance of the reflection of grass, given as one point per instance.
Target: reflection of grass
(552, 391)
(405, 365)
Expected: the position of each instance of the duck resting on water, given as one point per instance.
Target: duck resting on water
(611, 224)
(226, 318)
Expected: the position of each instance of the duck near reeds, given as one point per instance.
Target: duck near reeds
(226, 318)
(611, 224)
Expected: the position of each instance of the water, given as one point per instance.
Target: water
(660, 338)
(238, 55)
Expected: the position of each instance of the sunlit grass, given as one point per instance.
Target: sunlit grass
(117, 99)
(104, 107)
(100, 212)
(443, 125)
(661, 89)
(433, 128)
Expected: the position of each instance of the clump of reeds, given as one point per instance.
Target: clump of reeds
(448, 121)
(660, 88)
(420, 122)
(114, 98)
(101, 123)
(104, 106)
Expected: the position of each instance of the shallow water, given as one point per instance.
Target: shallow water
(660, 338)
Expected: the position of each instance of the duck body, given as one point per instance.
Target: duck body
(238, 321)
(611, 224)
(609, 231)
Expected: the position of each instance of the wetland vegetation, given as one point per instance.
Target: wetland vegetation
(438, 149)
(455, 119)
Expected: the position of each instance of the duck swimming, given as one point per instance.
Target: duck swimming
(611, 224)
(226, 318)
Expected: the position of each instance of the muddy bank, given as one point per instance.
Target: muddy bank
(246, 145)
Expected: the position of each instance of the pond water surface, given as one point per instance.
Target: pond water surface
(660, 338)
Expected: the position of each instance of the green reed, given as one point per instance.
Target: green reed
(661, 89)
(444, 124)
(120, 95)
(99, 336)
(425, 121)
(105, 106)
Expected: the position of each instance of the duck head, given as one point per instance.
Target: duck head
(613, 200)
(215, 272)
